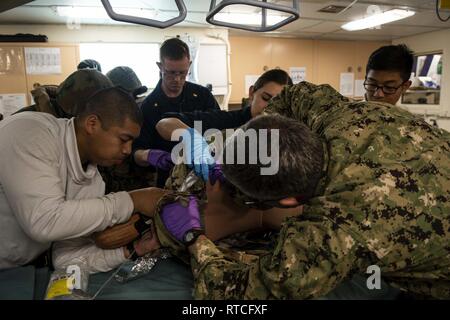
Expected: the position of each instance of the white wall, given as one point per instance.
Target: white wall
(433, 42)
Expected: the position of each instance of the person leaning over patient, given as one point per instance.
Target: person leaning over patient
(373, 182)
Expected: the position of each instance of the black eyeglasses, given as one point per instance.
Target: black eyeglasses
(372, 87)
(173, 74)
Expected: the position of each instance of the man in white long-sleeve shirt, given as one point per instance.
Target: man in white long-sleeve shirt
(51, 190)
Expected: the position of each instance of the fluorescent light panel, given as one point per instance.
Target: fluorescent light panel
(378, 19)
(247, 18)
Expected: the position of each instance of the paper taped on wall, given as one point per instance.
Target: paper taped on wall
(298, 74)
(10, 103)
(347, 84)
(43, 60)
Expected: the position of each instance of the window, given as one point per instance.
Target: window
(141, 57)
(426, 80)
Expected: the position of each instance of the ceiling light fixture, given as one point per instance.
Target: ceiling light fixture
(377, 19)
(249, 18)
(146, 21)
(249, 22)
(100, 13)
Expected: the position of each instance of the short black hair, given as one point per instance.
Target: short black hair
(174, 49)
(274, 75)
(112, 106)
(300, 156)
(398, 58)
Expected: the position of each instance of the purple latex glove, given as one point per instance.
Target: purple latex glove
(160, 159)
(179, 220)
(216, 174)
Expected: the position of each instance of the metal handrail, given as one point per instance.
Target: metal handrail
(294, 11)
(145, 21)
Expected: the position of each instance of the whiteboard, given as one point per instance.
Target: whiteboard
(212, 67)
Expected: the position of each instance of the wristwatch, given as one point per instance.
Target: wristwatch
(191, 236)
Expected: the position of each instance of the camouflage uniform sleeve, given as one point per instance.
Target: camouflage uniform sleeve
(305, 101)
(311, 258)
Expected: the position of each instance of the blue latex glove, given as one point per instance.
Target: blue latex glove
(160, 159)
(199, 156)
(178, 219)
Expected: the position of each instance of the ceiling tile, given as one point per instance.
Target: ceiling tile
(301, 24)
(325, 27)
